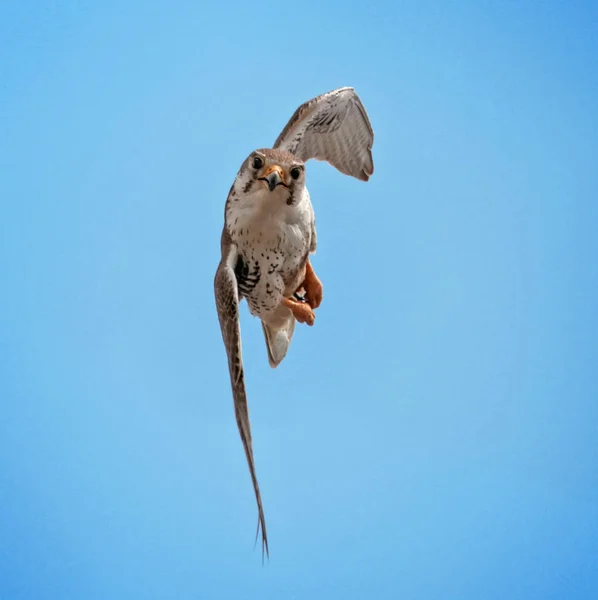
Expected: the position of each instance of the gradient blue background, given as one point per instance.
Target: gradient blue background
(434, 436)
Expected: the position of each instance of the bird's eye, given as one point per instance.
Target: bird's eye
(258, 163)
(295, 172)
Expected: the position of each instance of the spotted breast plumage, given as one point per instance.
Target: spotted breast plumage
(269, 233)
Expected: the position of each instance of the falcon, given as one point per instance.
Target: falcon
(269, 232)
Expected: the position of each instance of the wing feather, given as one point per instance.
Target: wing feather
(333, 127)
(227, 304)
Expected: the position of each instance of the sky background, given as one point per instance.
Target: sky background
(434, 436)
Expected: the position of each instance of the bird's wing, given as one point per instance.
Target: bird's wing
(333, 127)
(227, 304)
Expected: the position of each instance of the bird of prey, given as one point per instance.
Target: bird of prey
(269, 232)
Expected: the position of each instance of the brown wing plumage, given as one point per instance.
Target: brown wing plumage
(333, 127)
(227, 305)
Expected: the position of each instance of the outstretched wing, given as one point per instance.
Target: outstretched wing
(333, 127)
(227, 304)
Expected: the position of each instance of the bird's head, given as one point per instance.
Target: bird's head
(274, 174)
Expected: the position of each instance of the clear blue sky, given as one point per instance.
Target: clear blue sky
(434, 436)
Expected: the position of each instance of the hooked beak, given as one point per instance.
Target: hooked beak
(273, 176)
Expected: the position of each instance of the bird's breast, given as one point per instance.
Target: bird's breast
(273, 244)
(257, 230)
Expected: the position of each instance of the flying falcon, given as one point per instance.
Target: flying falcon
(269, 232)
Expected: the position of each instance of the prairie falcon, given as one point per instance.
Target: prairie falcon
(269, 232)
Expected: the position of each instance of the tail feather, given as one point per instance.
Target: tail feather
(278, 335)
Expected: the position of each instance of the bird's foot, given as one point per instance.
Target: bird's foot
(301, 310)
(313, 287)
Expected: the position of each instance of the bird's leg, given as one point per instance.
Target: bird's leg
(301, 310)
(312, 286)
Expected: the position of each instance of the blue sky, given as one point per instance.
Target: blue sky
(433, 436)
